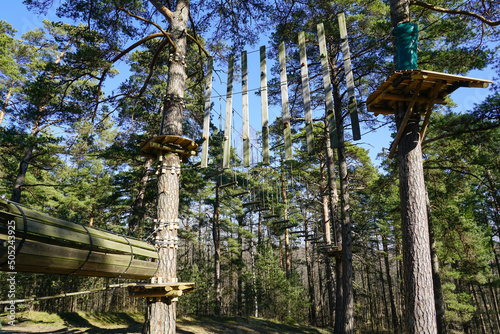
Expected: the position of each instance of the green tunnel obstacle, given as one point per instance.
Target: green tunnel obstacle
(34, 242)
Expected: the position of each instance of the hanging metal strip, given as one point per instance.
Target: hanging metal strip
(244, 110)
(264, 106)
(206, 114)
(229, 113)
(327, 84)
(306, 92)
(284, 103)
(353, 108)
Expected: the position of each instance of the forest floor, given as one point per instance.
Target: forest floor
(131, 323)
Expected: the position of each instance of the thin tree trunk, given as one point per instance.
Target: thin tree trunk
(138, 209)
(394, 312)
(329, 213)
(382, 282)
(216, 238)
(478, 310)
(436, 276)
(310, 276)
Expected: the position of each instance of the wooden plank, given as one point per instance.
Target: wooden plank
(306, 92)
(402, 127)
(244, 110)
(433, 96)
(327, 84)
(229, 113)
(284, 102)
(353, 108)
(264, 106)
(206, 113)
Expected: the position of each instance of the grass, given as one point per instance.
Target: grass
(117, 323)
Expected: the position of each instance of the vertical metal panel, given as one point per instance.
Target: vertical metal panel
(264, 106)
(206, 114)
(244, 109)
(284, 103)
(306, 92)
(327, 84)
(229, 114)
(353, 108)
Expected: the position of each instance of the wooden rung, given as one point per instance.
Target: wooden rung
(262, 209)
(243, 193)
(281, 221)
(296, 232)
(270, 216)
(228, 184)
(251, 203)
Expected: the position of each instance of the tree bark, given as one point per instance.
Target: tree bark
(138, 208)
(436, 277)
(161, 312)
(216, 238)
(420, 307)
(345, 217)
(394, 312)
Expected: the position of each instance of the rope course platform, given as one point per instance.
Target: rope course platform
(330, 250)
(184, 146)
(160, 290)
(418, 88)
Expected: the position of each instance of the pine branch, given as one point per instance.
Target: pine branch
(454, 11)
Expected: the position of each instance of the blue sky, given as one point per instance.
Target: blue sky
(14, 12)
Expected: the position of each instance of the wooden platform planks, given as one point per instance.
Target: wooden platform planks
(185, 147)
(396, 88)
(417, 87)
(161, 290)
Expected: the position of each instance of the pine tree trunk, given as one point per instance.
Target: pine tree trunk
(216, 237)
(436, 276)
(394, 312)
(310, 278)
(420, 307)
(345, 217)
(330, 219)
(138, 207)
(161, 312)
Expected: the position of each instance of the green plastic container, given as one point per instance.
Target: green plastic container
(406, 36)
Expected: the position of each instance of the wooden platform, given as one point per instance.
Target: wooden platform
(185, 147)
(419, 90)
(402, 85)
(331, 250)
(161, 290)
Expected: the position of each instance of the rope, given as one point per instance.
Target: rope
(131, 257)
(88, 254)
(69, 294)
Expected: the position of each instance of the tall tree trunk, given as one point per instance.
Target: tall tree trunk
(345, 217)
(382, 282)
(310, 276)
(436, 276)
(419, 290)
(216, 237)
(161, 312)
(138, 207)
(330, 219)
(394, 312)
(287, 260)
